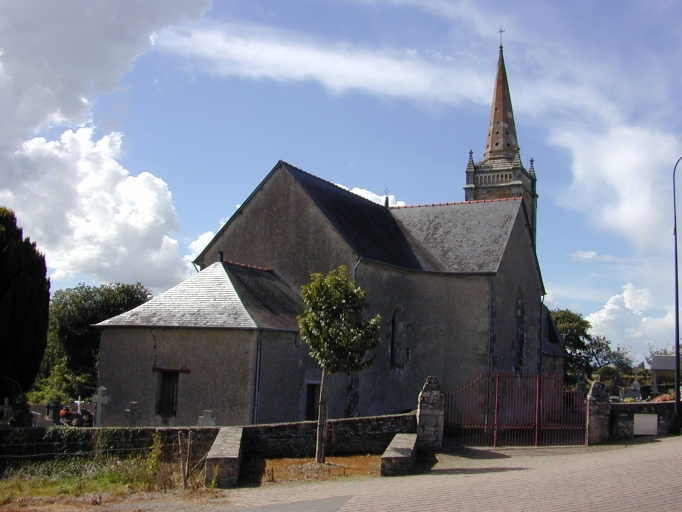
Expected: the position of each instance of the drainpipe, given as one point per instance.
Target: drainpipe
(543, 321)
(256, 394)
(490, 352)
(491, 324)
(355, 268)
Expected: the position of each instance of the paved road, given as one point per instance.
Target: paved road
(628, 477)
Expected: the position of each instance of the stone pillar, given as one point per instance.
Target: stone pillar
(430, 415)
(598, 414)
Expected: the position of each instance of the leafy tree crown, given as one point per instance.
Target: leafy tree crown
(333, 325)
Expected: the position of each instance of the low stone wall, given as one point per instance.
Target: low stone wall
(621, 424)
(371, 434)
(36, 443)
(345, 436)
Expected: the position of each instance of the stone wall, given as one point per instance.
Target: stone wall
(370, 434)
(621, 423)
(345, 436)
(128, 356)
(40, 443)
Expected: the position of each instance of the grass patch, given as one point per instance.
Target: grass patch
(76, 476)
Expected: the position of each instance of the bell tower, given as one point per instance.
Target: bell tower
(500, 174)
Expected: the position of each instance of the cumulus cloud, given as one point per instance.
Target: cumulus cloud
(626, 319)
(88, 214)
(198, 245)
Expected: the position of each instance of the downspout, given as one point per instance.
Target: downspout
(491, 326)
(355, 268)
(542, 332)
(259, 345)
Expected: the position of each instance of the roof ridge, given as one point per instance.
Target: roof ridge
(244, 265)
(496, 200)
(330, 183)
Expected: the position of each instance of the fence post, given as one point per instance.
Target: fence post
(496, 436)
(430, 415)
(538, 401)
(598, 415)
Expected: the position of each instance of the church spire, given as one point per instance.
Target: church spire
(500, 174)
(501, 140)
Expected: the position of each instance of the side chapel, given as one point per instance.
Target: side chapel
(457, 285)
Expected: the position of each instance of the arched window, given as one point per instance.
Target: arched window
(520, 338)
(398, 345)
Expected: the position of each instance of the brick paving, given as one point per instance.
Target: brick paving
(626, 477)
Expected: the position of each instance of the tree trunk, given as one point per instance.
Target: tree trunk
(321, 421)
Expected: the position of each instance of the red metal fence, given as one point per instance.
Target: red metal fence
(514, 410)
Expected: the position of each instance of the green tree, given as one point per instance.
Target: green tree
(600, 354)
(24, 303)
(586, 353)
(337, 333)
(69, 368)
(575, 330)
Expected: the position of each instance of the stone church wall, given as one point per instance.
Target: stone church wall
(517, 280)
(280, 214)
(221, 375)
(444, 333)
(285, 373)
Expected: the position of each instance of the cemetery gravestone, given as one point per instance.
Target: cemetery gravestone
(207, 419)
(6, 409)
(100, 400)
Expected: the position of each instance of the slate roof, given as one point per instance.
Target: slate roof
(462, 237)
(224, 295)
(368, 228)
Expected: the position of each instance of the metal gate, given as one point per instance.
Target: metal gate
(514, 410)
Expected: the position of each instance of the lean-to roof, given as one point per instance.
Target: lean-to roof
(224, 295)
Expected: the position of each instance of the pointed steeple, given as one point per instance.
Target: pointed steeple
(501, 140)
(501, 174)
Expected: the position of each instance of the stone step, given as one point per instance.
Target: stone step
(400, 455)
(224, 458)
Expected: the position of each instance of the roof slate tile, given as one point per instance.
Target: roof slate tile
(224, 295)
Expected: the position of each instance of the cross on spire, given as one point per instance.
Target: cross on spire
(501, 31)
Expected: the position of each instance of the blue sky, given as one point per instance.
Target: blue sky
(131, 130)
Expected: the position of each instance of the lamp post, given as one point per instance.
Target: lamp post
(677, 315)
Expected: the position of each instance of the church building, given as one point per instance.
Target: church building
(457, 285)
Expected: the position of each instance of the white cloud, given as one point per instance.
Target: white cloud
(619, 175)
(86, 212)
(90, 215)
(371, 196)
(198, 245)
(625, 319)
(258, 52)
(593, 256)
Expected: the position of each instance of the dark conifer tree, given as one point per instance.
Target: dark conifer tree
(24, 306)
